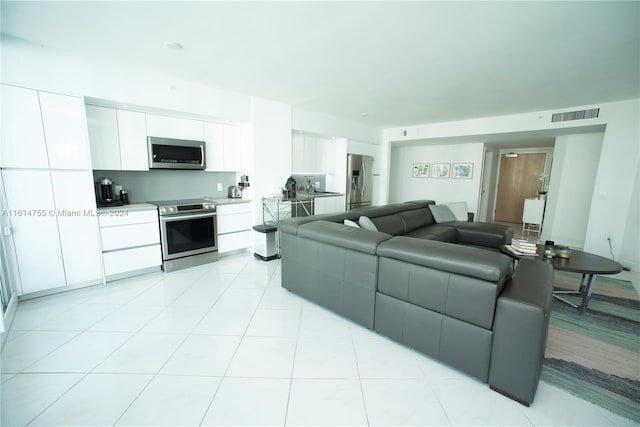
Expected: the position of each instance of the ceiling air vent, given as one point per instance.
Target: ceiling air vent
(576, 115)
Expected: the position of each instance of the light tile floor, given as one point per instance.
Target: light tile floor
(225, 344)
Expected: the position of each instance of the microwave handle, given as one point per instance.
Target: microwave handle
(202, 155)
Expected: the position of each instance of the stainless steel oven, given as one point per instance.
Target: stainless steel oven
(188, 233)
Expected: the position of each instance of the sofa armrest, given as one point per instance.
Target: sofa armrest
(484, 234)
(520, 331)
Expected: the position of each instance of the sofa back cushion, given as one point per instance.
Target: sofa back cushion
(416, 218)
(442, 214)
(390, 224)
(454, 280)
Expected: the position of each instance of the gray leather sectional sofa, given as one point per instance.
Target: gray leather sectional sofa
(442, 289)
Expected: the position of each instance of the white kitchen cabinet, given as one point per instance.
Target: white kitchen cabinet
(226, 147)
(234, 148)
(174, 127)
(34, 229)
(132, 134)
(214, 138)
(23, 144)
(128, 262)
(118, 139)
(234, 226)
(65, 131)
(131, 242)
(102, 123)
(77, 225)
(328, 204)
(309, 154)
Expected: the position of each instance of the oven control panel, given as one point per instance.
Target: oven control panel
(206, 207)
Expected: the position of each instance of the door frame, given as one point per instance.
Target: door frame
(547, 169)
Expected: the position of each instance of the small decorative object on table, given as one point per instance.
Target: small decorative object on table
(549, 252)
(563, 251)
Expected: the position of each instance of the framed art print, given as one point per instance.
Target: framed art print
(420, 170)
(463, 170)
(440, 170)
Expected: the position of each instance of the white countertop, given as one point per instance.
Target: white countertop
(131, 207)
(227, 200)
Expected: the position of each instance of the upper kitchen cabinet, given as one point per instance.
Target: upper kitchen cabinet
(214, 138)
(118, 139)
(174, 127)
(102, 123)
(42, 130)
(234, 148)
(132, 134)
(312, 154)
(23, 144)
(65, 131)
(226, 148)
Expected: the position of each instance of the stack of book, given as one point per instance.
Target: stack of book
(523, 246)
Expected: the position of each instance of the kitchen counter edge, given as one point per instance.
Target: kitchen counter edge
(130, 208)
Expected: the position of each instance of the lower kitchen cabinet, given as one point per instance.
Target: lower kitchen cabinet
(131, 242)
(234, 226)
(54, 232)
(322, 205)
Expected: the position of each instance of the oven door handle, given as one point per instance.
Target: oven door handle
(186, 216)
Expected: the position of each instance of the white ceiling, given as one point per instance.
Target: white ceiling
(401, 63)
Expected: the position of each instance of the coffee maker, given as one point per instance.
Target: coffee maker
(106, 194)
(291, 187)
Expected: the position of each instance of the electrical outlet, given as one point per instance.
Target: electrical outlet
(219, 186)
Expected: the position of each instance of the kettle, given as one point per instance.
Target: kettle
(234, 192)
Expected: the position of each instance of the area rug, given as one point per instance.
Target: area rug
(596, 355)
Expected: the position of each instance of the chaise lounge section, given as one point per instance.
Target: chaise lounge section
(443, 289)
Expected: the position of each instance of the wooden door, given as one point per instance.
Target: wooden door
(519, 179)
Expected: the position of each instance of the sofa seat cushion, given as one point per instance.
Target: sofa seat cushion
(441, 233)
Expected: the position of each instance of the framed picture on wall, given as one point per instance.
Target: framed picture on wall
(420, 170)
(440, 170)
(463, 170)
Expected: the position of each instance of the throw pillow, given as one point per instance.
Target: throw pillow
(459, 210)
(441, 214)
(351, 223)
(367, 224)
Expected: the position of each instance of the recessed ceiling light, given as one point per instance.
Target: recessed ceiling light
(124, 105)
(173, 45)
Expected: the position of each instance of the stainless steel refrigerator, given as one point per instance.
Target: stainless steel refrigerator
(359, 181)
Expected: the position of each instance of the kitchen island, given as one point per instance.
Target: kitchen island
(276, 208)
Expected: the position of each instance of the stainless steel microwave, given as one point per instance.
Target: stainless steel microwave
(168, 153)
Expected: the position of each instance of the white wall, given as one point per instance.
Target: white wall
(571, 188)
(613, 194)
(404, 187)
(272, 150)
(325, 124)
(630, 248)
(30, 65)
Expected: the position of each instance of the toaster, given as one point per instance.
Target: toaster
(234, 192)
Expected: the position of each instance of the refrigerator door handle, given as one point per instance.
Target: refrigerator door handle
(363, 174)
